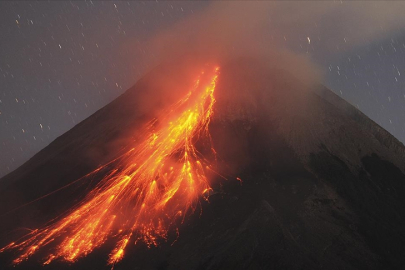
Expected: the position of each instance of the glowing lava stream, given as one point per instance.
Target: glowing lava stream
(160, 180)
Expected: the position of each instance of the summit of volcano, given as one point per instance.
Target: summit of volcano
(293, 177)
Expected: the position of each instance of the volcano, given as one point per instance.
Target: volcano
(289, 176)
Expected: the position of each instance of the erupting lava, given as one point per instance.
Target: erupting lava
(152, 185)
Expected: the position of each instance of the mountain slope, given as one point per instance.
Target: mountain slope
(321, 183)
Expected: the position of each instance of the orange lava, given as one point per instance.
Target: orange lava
(154, 184)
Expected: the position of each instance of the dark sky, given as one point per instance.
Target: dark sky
(62, 61)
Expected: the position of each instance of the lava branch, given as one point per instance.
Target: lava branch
(153, 184)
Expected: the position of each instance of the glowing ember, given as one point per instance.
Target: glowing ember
(154, 184)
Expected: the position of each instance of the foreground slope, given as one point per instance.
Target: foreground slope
(321, 183)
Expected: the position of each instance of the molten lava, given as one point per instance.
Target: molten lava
(146, 191)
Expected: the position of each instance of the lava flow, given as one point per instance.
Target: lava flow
(152, 185)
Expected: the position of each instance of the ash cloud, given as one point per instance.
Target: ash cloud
(272, 30)
(276, 30)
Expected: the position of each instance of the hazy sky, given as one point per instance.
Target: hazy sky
(62, 61)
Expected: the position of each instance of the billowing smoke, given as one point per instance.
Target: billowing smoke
(278, 31)
(286, 35)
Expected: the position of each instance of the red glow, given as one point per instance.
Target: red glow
(158, 181)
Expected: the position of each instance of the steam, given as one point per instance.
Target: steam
(286, 33)
(230, 29)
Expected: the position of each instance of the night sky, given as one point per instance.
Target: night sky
(62, 61)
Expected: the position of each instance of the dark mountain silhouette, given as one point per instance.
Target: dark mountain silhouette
(322, 184)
